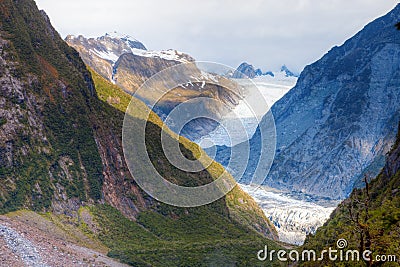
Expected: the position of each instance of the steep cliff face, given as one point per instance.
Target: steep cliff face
(339, 119)
(49, 158)
(61, 150)
(368, 219)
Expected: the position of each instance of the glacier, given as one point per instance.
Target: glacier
(294, 217)
(272, 88)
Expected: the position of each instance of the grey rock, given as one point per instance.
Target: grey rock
(339, 120)
(22, 247)
(245, 70)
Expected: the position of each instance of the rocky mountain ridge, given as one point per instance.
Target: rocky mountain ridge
(102, 53)
(129, 67)
(246, 70)
(339, 120)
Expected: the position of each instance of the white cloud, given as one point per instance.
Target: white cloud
(264, 33)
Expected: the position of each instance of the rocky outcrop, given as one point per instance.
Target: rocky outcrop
(47, 152)
(340, 119)
(288, 72)
(130, 70)
(101, 53)
(245, 70)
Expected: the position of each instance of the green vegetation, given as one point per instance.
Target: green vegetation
(141, 243)
(237, 204)
(218, 234)
(64, 83)
(3, 121)
(192, 240)
(80, 120)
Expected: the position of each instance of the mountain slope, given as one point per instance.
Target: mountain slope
(102, 55)
(339, 119)
(128, 67)
(61, 152)
(248, 213)
(368, 219)
(49, 158)
(246, 70)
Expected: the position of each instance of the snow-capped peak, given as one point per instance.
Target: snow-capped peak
(169, 54)
(117, 35)
(113, 45)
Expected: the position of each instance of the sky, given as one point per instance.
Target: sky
(266, 33)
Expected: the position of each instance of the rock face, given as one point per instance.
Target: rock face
(48, 156)
(103, 54)
(288, 72)
(369, 217)
(245, 70)
(340, 118)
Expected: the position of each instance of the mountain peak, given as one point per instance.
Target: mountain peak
(288, 72)
(245, 70)
(122, 36)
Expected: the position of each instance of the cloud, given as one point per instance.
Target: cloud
(264, 33)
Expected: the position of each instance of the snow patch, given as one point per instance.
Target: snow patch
(117, 35)
(106, 55)
(169, 54)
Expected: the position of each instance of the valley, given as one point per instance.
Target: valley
(97, 169)
(240, 121)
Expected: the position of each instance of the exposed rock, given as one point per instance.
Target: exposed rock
(31, 240)
(22, 247)
(118, 61)
(340, 118)
(245, 70)
(288, 72)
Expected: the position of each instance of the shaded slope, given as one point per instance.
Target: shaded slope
(340, 118)
(239, 205)
(368, 219)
